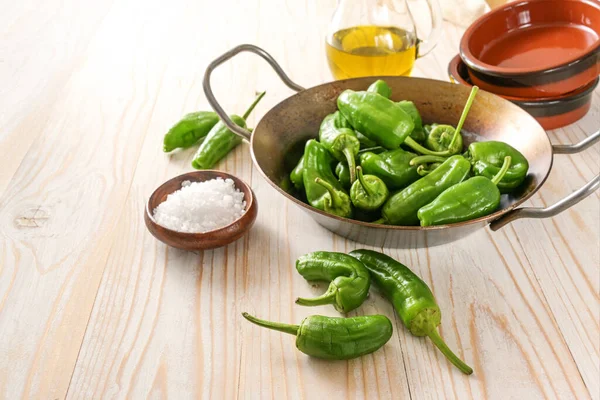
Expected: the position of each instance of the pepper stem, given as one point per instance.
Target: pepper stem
(251, 108)
(363, 183)
(426, 159)
(351, 163)
(453, 358)
(335, 198)
(463, 116)
(420, 149)
(498, 177)
(278, 326)
(326, 298)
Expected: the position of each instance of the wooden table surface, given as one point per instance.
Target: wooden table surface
(92, 306)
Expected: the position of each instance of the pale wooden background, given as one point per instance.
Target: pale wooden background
(92, 306)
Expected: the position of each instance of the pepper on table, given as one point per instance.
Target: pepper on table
(323, 191)
(189, 130)
(473, 198)
(349, 280)
(333, 338)
(487, 159)
(402, 207)
(413, 300)
(369, 192)
(220, 140)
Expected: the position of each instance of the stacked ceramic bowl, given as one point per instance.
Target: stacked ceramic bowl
(543, 55)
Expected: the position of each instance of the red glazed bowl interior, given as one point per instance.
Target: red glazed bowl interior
(535, 48)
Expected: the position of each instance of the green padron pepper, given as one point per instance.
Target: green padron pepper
(376, 117)
(335, 338)
(368, 192)
(487, 159)
(402, 208)
(380, 87)
(473, 198)
(348, 279)
(411, 297)
(297, 174)
(426, 164)
(323, 191)
(338, 137)
(393, 167)
(418, 134)
(189, 130)
(220, 140)
(343, 173)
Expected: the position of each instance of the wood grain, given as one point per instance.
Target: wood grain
(92, 306)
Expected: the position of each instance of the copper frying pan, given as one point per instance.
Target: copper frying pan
(281, 133)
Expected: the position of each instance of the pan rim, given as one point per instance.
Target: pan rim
(485, 219)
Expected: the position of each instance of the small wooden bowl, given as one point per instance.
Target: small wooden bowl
(207, 240)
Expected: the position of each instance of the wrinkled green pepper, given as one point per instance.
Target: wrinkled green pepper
(418, 134)
(340, 140)
(487, 159)
(220, 140)
(402, 208)
(368, 192)
(297, 174)
(323, 191)
(376, 117)
(335, 338)
(413, 300)
(343, 173)
(393, 167)
(189, 130)
(348, 277)
(473, 198)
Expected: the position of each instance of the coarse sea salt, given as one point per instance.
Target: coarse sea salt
(201, 206)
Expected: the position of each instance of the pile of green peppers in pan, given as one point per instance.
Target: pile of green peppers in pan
(204, 128)
(349, 277)
(376, 161)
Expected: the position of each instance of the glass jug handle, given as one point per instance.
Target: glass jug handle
(426, 45)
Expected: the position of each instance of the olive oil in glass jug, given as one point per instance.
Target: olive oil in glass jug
(377, 37)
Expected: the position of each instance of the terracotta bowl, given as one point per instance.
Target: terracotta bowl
(534, 48)
(551, 113)
(207, 240)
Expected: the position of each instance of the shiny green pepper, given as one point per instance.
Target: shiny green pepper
(376, 117)
(335, 338)
(418, 134)
(365, 142)
(411, 297)
(189, 130)
(343, 173)
(368, 192)
(402, 208)
(487, 159)
(473, 198)
(323, 191)
(220, 140)
(393, 167)
(338, 137)
(380, 87)
(349, 279)
(297, 174)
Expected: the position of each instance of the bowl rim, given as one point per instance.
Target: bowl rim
(494, 70)
(583, 91)
(249, 204)
(481, 220)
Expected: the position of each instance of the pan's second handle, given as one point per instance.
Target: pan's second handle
(246, 134)
(562, 205)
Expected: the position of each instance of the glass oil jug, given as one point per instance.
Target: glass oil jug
(377, 37)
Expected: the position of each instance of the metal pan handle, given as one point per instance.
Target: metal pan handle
(562, 205)
(244, 133)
